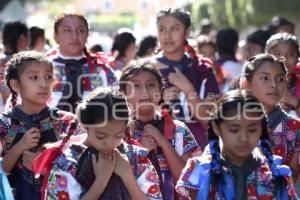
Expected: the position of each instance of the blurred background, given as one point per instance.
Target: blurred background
(107, 16)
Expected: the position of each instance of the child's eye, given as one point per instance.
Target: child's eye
(161, 29)
(292, 54)
(49, 77)
(252, 130)
(99, 138)
(174, 29)
(119, 136)
(67, 30)
(136, 85)
(264, 78)
(81, 30)
(281, 79)
(152, 84)
(33, 77)
(233, 130)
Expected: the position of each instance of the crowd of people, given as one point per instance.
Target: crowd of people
(168, 120)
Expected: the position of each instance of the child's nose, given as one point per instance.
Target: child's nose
(244, 137)
(43, 83)
(272, 83)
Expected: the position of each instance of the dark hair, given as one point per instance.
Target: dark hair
(147, 43)
(102, 105)
(282, 37)
(259, 37)
(203, 40)
(121, 43)
(227, 40)
(251, 66)
(136, 67)
(277, 22)
(11, 33)
(96, 48)
(180, 14)
(59, 18)
(230, 103)
(17, 65)
(35, 34)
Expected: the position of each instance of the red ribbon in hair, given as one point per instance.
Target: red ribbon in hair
(43, 162)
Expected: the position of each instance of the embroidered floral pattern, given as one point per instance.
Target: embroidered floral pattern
(285, 137)
(144, 172)
(183, 142)
(259, 183)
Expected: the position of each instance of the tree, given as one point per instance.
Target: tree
(242, 13)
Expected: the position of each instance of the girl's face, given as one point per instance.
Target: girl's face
(269, 84)
(40, 44)
(108, 137)
(208, 51)
(35, 84)
(71, 36)
(287, 51)
(22, 43)
(171, 34)
(143, 93)
(239, 136)
(130, 51)
(252, 49)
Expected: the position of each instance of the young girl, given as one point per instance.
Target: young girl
(285, 46)
(124, 50)
(232, 167)
(76, 71)
(174, 26)
(15, 38)
(207, 47)
(103, 166)
(265, 76)
(169, 141)
(28, 126)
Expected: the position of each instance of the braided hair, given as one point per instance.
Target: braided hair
(17, 65)
(226, 106)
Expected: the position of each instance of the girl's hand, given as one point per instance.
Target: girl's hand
(27, 159)
(179, 80)
(152, 131)
(149, 143)
(104, 166)
(122, 166)
(29, 140)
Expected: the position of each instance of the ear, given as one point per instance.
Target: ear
(187, 32)
(216, 129)
(15, 85)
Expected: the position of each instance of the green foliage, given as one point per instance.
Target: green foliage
(242, 13)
